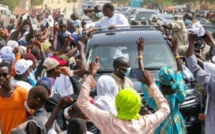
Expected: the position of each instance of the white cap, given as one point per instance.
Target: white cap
(12, 43)
(21, 66)
(5, 50)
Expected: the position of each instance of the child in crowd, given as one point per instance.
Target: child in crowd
(36, 100)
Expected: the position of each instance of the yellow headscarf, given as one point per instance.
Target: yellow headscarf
(128, 104)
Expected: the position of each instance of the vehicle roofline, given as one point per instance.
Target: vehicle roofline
(127, 28)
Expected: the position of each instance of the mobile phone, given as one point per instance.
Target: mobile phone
(136, 74)
(84, 33)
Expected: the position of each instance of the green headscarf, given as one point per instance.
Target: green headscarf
(128, 104)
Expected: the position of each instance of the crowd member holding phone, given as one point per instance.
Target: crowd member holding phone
(203, 78)
(173, 88)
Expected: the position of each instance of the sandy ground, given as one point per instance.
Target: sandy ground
(53, 4)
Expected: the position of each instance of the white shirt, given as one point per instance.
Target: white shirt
(196, 28)
(65, 85)
(209, 68)
(22, 84)
(116, 19)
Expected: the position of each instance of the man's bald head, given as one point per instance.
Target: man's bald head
(121, 61)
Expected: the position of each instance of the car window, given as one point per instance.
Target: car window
(147, 15)
(155, 55)
(209, 29)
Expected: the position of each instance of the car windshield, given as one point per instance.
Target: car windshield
(147, 15)
(155, 55)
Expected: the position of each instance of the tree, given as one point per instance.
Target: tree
(36, 2)
(10, 3)
(179, 2)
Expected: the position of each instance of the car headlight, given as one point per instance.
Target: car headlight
(190, 119)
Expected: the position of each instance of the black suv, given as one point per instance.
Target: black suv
(110, 44)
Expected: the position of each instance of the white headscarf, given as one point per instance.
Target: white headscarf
(106, 93)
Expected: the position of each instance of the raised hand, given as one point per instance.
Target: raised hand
(69, 39)
(81, 46)
(83, 23)
(140, 44)
(111, 27)
(55, 28)
(94, 67)
(84, 39)
(65, 100)
(192, 37)
(209, 39)
(36, 42)
(174, 45)
(16, 49)
(65, 71)
(148, 78)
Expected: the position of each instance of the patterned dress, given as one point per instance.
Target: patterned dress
(174, 123)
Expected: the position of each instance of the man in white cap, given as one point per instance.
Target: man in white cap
(51, 67)
(22, 69)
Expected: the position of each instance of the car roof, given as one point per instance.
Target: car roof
(122, 36)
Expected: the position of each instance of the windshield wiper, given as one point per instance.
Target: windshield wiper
(104, 71)
(152, 68)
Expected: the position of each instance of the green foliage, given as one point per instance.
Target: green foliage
(161, 2)
(10, 3)
(121, 1)
(36, 2)
(179, 2)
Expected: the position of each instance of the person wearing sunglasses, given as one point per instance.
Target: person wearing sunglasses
(62, 33)
(13, 111)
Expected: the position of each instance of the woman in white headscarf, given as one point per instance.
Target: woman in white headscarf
(106, 93)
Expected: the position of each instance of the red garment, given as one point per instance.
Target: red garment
(62, 62)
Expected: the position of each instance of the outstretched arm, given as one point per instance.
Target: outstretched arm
(140, 48)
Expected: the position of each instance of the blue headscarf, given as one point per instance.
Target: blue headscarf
(169, 77)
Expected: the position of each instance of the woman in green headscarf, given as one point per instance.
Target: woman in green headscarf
(128, 104)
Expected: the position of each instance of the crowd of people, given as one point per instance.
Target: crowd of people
(46, 82)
